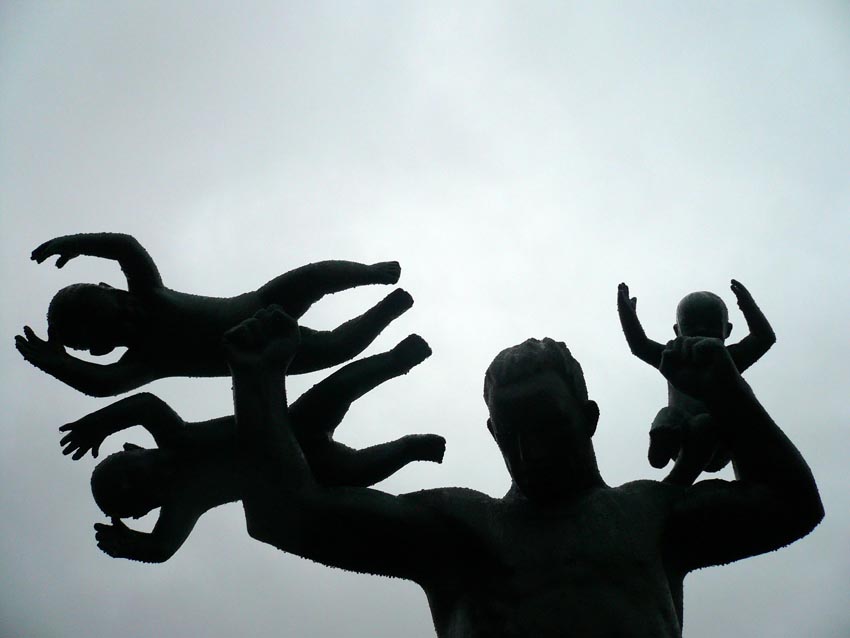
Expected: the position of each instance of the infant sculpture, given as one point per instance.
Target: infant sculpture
(167, 333)
(562, 553)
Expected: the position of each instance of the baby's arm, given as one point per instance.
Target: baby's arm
(173, 527)
(138, 267)
(143, 409)
(751, 348)
(641, 346)
(89, 378)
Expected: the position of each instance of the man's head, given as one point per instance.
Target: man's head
(126, 484)
(702, 314)
(90, 317)
(541, 418)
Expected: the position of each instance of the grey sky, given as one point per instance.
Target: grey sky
(520, 160)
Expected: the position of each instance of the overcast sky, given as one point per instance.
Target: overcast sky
(519, 160)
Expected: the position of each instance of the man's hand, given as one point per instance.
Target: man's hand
(62, 246)
(267, 341)
(86, 434)
(45, 355)
(700, 367)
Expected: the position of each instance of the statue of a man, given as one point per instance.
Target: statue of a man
(562, 553)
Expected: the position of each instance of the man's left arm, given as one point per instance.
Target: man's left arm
(774, 500)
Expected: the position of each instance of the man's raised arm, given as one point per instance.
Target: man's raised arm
(353, 528)
(775, 500)
(138, 267)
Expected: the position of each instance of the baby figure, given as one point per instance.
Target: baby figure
(683, 431)
(194, 467)
(169, 333)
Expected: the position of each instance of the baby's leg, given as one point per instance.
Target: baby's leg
(322, 349)
(299, 289)
(698, 447)
(665, 436)
(321, 409)
(341, 465)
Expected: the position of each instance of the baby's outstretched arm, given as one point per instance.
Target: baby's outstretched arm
(144, 409)
(639, 344)
(138, 267)
(90, 378)
(761, 337)
(297, 290)
(172, 528)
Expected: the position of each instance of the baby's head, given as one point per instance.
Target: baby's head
(702, 314)
(127, 484)
(90, 317)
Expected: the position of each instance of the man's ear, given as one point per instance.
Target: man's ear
(591, 413)
(728, 330)
(103, 284)
(676, 329)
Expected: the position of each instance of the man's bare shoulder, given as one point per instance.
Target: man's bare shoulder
(648, 491)
(451, 501)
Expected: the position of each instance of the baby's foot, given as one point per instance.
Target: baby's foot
(427, 447)
(396, 303)
(411, 351)
(386, 272)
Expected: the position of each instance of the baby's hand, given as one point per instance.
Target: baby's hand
(742, 294)
(44, 355)
(85, 434)
(624, 302)
(267, 340)
(59, 246)
(117, 539)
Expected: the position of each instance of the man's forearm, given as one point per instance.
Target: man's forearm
(763, 454)
(266, 442)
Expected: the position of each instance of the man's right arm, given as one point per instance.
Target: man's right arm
(357, 529)
(775, 500)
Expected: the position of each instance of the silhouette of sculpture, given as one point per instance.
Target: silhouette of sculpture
(169, 333)
(562, 553)
(194, 467)
(683, 430)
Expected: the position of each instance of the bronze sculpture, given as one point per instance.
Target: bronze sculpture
(169, 333)
(562, 553)
(683, 431)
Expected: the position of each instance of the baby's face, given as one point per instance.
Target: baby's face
(98, 327)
